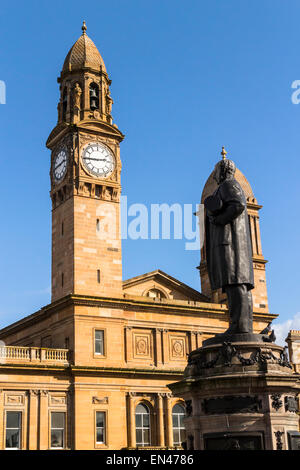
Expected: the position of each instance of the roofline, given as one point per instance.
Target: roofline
(158, 272)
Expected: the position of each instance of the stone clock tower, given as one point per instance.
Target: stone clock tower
(85, 179)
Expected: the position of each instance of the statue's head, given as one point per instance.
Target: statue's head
(224, 169)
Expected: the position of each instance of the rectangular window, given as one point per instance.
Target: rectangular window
(62, 279)
(98, 225)
(98, 276)
(62, 229)
(100, 427)
(13, 430)
(57, 430)
(99, 342)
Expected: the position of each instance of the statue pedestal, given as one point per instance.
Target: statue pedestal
(240, 396)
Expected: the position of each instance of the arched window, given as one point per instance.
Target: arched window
(94, 96)
(142, 425)
(64, 103)
(156, 294)
(178, 413)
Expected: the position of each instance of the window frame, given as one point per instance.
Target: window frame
(96, 354)
(20, 429)
(105, 430)
(149, 428)
(64, 430)
(178, 428)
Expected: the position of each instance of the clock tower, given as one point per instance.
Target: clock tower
(85, 179)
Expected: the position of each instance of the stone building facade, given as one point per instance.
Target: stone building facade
(90, 370)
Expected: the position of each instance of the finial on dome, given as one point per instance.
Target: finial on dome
(223, 153)
(84, 28)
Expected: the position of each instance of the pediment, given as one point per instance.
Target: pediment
(103, 127)
(169, 287)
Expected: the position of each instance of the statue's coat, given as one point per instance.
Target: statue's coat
(228, 242)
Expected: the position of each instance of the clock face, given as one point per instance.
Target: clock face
(60, 165)
(98, 160)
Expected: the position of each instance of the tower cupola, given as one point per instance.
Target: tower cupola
(84, 84)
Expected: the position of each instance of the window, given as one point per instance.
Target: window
(178, 413)
(142, 425)
(62, 279)
(99, 342)
(156, 294)
(57, 430)
(98, 226)
(13, 430)
(98, 276)
(100, 427)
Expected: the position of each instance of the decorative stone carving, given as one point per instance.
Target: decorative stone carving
(279, 443)
(77, 92)
(14, 399)
(227, 352)
(284, 360)
(108, 102)
(98, 400)
(276, 401)
(142, 345)
(177, 348)
(291, 404)
(57, 400)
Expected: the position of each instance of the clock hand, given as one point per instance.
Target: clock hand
(96, 159)
(55, 168)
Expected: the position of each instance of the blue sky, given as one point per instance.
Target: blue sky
(187, 78)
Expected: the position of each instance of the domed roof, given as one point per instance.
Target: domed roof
(211, 186)
(83, 53)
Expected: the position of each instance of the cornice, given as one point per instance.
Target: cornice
(207, 309)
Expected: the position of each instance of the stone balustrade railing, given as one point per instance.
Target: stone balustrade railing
(32, 354)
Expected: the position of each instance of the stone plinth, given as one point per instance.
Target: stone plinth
(240, 395)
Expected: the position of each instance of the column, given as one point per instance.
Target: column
(158, 349)
(131, 419)
(2, 421)
(165, 346)
(253, 235)
(160, 421)
(169, 425)
(32, 419)
(258, 238)
(193, 340)
(128, 343)
(43, 421)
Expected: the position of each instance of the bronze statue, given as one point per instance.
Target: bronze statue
(228, 246)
